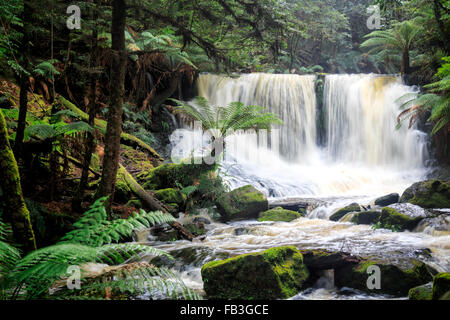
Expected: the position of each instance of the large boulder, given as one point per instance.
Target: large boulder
(277, 273)
(387, 200)
(441, 285)
(366, 217)
(279, 214)
(338, 214)
(395, 280)
(423, 292)
(428, 194)
(391, 218)
(242, 204)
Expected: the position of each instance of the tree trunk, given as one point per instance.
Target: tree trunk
(405, 62)
(445, 37)
(16, 211)
(114, 127)
(90, 141)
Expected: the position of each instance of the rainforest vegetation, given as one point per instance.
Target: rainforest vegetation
(88, 106)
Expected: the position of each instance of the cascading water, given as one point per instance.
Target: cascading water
(364, 157)
(364, 154)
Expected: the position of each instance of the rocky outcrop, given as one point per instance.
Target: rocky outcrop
(279, 214)
(423, 292)
(391, 218)
(366, 217)
(428, 194)
(276, 273)
(395, 280)
(338, 214)
(242, 204)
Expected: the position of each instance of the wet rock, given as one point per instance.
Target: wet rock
(196, 228)
(441, 285)
(241, 231)
(338, 214)
(325, 260)
(428, 194)
(438, 226)
(201, 219)
(391, 218)
(395, 280)
(271, 274)
(164, 233)
(242, 204)
(411, 210)
(279, 214)
(423, 292)
(387, 200)
(366, 217)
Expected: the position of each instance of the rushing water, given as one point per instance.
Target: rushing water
(364, 157)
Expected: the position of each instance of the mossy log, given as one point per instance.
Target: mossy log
(16, 210)
(149, 200)
(126, 138)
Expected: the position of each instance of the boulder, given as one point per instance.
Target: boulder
(441, 285)
(423, 292)
(277, 273)
(170, 175)
(366, 217)
(387, 200)
(395, 280)
(338, 214)
(320, 259)
(279, 214)
(242, 204)
(391, 218)
(428, 194)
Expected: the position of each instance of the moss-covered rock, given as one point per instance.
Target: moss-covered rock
(392, 218)
(338, 214)
(169, 175)
(395, 280)
(441, 285)
(196, 228)
(122, 192)
(428, 194)
(271, 274)
(423, 292)
(320, 259)
(173, 197)
(387, 200)
(279, 214)
(366, 217)
(241, 204)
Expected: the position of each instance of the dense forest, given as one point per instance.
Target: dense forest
(91, 92)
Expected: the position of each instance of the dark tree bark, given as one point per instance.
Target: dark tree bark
(445, 37)
(114, 127)
(90, 141)
(16, 211)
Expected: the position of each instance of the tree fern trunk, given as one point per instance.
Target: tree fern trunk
(114, 127)
(16, 211)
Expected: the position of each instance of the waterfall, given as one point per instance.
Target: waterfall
(364, 154)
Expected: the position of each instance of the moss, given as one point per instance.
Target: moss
(279, 214)
(391, 217)
(197, 229)
(366, 217)
(428, 194)
(338, 214)
(423, 292)
(395, 280)
(241, 204)
(171, 175)
(136, 203)
(271, 274)
(135, 160)
(441, 285)
(122, 192)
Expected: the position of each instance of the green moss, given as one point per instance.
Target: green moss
(395, 279)
(390, 217)
(271, 274)
(172, 175)
(441, 285)
(241, 204)
(366, 217)
(136, 203)
(423, 292)
(338, 214)
(428, 194)
(122, 192)
(279, 214)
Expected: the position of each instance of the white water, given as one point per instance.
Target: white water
(365, 155)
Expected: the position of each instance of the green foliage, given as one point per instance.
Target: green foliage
(90, 242)
(393, 228)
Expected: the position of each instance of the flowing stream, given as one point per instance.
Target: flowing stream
(363, 157)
